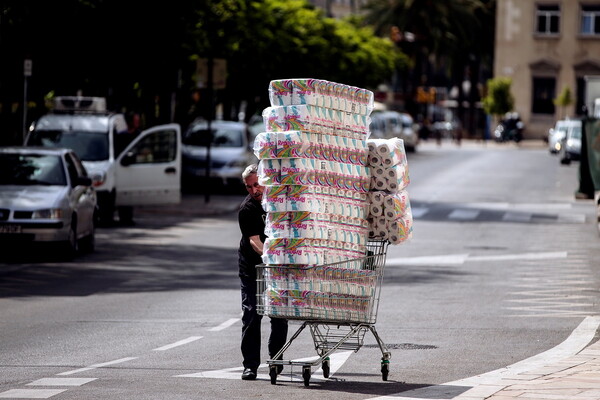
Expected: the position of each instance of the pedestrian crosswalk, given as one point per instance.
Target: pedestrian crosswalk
(498, 212)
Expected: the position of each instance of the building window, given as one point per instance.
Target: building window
(547, 19)
(590, 19)
(544, 91)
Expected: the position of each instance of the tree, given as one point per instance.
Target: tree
(142, 55)
(564, 99)
(273, 39)
(499, 99)
(451, 41)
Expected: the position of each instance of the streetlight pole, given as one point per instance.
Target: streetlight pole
(27, 65)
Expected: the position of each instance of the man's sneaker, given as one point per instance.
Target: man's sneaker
(249, 374)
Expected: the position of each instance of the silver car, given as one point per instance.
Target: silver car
(570, 143)
(46, 196)
(388, 124)
(230, 151)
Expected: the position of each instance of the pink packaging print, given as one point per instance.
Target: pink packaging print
(269, 172)
(280, 92)
(265, 145)
(292, 144)
(274, 198)
(277, 224)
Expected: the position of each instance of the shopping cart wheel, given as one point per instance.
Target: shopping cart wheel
(325, 368)
(385, 369)
(306, 374)
(273, 374)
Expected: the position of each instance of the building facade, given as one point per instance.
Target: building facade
(545, 47)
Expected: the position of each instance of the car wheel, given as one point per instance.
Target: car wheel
(88, 243)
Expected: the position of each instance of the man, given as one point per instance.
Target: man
(251, 218)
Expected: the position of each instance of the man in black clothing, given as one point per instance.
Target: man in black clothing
(251, 218)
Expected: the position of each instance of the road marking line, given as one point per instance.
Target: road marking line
(456, 259)
(524, 256)
(463, 214)
(120, 360)
(225, 324)
(516, 217)
(336, 360)
(418, 212)
(30, 393)
(485, 385)
(576, 218)
(61, 381)
(178, 343)
(450, 259)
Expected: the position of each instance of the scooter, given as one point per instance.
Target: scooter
(509, 129)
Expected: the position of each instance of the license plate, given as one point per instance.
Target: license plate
(10, 229)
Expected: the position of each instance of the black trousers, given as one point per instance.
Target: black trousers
(251, 322)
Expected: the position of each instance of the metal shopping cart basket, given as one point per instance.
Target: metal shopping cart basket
(338, 302)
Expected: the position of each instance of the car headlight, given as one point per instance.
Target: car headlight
(50, 213)
(98, 178)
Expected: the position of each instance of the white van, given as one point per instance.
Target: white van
(146, 171)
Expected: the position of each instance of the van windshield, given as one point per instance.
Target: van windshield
(89, 146)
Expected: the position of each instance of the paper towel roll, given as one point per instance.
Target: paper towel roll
(265, 145)
(274, 198)
(293, 144)
(280, 92)
(277, 224)
(269, 172)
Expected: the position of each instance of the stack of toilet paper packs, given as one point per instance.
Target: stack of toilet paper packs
(318, 172)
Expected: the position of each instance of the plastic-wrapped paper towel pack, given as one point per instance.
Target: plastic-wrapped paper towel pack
(322, 93)
(389, 216)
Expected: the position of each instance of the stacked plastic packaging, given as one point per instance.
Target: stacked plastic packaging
(390, 216)
(317, 171)
(313, 164)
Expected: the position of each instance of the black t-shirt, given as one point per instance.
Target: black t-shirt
(251, 218)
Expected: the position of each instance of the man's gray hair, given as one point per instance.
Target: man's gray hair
(250, 169)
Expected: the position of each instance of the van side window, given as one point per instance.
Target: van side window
(160, 146)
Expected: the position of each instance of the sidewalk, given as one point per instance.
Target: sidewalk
(574, 378)
(195, 205)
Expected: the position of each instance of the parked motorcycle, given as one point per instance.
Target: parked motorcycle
(510, 129)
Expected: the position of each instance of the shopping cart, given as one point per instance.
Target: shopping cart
(338, 302)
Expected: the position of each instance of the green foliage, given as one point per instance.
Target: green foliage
(565, 98)
(139, 53)
(499, 99)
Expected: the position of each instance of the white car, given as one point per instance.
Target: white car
(558, 133)
(230, 151)
(127, 169)
(46, 196)
(570, 144)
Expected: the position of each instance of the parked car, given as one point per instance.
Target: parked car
(558, 132)
(230, 151)
(570, 144)
(46, 196)
(388, 124)
(127, 169)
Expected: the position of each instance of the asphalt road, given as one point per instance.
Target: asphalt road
(502, 266)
